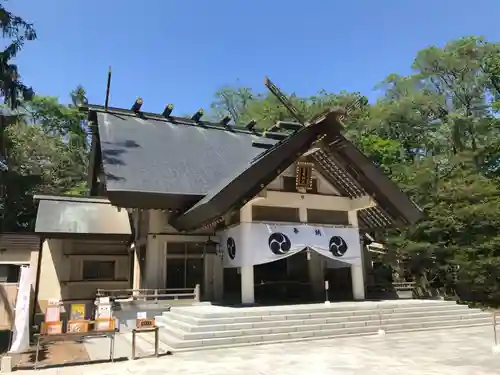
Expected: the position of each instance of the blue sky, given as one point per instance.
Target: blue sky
(182, 51)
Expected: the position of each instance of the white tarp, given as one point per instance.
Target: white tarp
(21, 329)
(258, 243)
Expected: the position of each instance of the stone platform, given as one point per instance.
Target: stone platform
(203, 327)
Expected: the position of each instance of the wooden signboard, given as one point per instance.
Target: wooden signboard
(53, 311)
(77, 311)
(78, 326)
(145, 323)
(53, 314)
(103, 311)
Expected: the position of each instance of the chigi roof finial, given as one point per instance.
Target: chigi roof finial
(108, 88)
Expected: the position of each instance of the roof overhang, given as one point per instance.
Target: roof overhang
(394, 207)
(152, 201)
(19, 241)
(64, 216)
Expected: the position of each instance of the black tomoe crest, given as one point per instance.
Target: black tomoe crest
(231, 247)
(279, 243)
(337, 246)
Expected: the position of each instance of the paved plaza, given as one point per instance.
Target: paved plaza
(454, 352)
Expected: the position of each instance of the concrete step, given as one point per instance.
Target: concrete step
(187, 328)
(214, 312)
(227, 316)
(181, 332)
(177, 344)
(199, 322)
(185, 331)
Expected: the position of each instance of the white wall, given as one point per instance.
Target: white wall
(61, 271)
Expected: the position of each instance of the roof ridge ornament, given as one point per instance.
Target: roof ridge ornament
(337, 112)
(168, 110)
(225, 122)
(136, 107)
(284, 100)
(198, 115)
(108, 89)
(251, 125)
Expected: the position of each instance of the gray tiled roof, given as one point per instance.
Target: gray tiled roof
(63, 215)
(157, 156)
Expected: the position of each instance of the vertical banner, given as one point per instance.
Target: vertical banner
(21, 329)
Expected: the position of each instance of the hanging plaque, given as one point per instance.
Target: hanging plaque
(304, 176)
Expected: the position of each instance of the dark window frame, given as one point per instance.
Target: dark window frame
(328, 217)
(96, 272)
(275, 214)
(13, 273)
(289, 185)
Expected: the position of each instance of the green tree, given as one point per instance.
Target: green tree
(17, 31)
(47, 153)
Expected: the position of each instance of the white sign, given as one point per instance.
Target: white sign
(104, 311)
(104, 300)
(327, 285)
(142, 315)
(21, 329)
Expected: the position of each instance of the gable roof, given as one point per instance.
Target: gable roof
(207, 169)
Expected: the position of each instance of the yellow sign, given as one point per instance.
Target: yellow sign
(77, 311)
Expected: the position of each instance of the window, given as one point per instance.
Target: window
(185, 264)
(285, 214)
(183, 248)
(98, 270)
(327, 217)
(10, 273)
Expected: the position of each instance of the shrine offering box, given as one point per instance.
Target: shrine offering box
(104, 324)
(78, 326)
(51, 328)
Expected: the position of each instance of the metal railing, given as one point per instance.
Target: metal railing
(151, 294)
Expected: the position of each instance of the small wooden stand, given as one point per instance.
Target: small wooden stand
(144, 325)
(77, 331)
(43, 339)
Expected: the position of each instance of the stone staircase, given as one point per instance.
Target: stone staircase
(206, 327)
